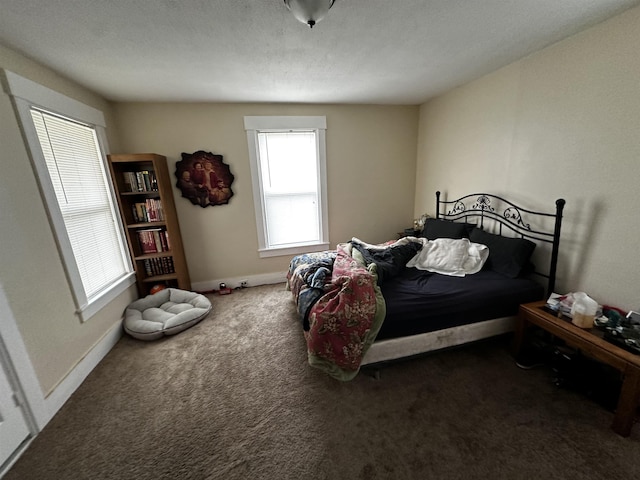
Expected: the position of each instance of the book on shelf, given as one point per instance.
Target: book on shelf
(147, 268)
(148, 211)
(140, 181)
(158, 266)
(145, 181)
(157, 241)
(139, 213)
(153, 240)
(167, 265)
(154, 181)
(153, 208)
(147, 241)
(162, 238)
(130, 184)
(169, 268)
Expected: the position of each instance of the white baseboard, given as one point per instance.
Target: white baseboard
(234, 282)
(61, 392)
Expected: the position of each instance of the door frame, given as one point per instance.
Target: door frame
(39, 409)
(20, 371)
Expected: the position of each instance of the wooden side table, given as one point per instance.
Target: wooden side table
(593, 346)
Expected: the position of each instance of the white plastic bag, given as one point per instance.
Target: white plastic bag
(583, 310)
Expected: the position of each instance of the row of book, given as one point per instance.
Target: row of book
(148, 211)
(154, 240)
(158, 266)
(142, 181)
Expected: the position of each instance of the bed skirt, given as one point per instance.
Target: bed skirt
(395, 348)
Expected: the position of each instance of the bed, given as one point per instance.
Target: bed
(461, 279)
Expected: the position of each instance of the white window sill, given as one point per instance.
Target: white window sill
(98, 303)
(297, 250)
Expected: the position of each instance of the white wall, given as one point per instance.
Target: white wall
(564, 122)
(371, 158)
(30, 265)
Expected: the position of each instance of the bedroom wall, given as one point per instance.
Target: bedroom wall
(564, 122)
(371, 155)
(30, 267)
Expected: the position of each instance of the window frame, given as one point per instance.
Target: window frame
(259, 124)
(26, 95)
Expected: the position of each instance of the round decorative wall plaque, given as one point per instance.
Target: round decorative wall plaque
(204, 178)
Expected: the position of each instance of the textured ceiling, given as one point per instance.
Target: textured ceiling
(364, 51)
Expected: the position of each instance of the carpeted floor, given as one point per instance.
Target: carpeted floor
(233, 398)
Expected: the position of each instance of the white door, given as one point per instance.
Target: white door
(13, 426)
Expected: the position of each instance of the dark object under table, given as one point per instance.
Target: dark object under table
(591, 343)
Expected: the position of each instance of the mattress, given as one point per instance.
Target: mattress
(419, 302)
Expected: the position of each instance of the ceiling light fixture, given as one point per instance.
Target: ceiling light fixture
(309, 12)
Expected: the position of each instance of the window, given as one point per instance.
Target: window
(288, 167)
(66, 140)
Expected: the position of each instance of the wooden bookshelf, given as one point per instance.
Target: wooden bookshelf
(145, 198)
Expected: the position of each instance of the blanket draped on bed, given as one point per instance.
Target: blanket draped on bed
(340, 302)
(340, 305)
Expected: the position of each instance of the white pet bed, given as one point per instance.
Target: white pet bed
(166, 312)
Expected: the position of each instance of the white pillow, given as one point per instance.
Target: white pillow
(449, 256)
(477, 255)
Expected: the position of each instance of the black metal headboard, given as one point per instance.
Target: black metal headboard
(480, 207)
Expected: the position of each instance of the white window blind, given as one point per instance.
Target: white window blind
(75, 166)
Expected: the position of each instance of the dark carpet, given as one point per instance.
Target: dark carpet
(233, 398)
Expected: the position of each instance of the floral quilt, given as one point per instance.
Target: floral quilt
(341, 306)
